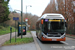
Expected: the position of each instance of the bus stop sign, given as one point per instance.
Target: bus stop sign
(15, 18)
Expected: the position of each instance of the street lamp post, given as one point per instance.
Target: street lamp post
(21, 17)
(65, 8)
(26, 9)
(26, 15)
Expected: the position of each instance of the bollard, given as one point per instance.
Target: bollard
(10, 33)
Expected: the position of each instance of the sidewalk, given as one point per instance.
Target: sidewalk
(5, 37)
(70, 36)
(27, 35)
(28, 46)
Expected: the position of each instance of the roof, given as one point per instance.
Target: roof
(52, 16)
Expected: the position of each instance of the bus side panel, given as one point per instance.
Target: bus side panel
(39, 30)
(40, 33)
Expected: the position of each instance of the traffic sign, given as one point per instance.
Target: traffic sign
(15, 18)
(26, 19)
(5, 0)
(23, 30)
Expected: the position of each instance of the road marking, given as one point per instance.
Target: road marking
(36, 43)
(64, 42)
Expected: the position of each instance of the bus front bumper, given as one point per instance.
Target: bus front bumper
(53, 39)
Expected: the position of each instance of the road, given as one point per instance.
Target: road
(69, 44)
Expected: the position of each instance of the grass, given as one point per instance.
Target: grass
(18, 41)
(28, 31)
(5, 30)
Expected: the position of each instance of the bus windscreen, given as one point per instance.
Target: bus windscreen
(54, 27)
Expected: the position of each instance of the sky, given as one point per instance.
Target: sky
(38, 6)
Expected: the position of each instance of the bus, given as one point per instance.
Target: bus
(51, 27)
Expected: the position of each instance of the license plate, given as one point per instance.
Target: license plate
(53, 39)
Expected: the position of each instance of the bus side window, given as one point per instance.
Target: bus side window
(39, 25)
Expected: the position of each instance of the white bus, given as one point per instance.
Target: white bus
(51, 27)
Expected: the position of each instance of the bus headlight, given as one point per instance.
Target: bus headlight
(44, 36)
(62, 36)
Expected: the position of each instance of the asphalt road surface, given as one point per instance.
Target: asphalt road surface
(69, 44)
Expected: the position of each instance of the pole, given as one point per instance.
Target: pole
(15, 30)
(10, 33)
(65, 9)
(26, 17)
(21, 17)
(26, 11)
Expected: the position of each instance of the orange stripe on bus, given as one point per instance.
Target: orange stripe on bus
(46, 39)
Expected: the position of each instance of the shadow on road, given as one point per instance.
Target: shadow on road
(51, 42)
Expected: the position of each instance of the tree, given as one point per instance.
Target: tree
(32, 19)
(4, 11)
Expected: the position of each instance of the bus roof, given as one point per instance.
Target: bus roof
(52, 16)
